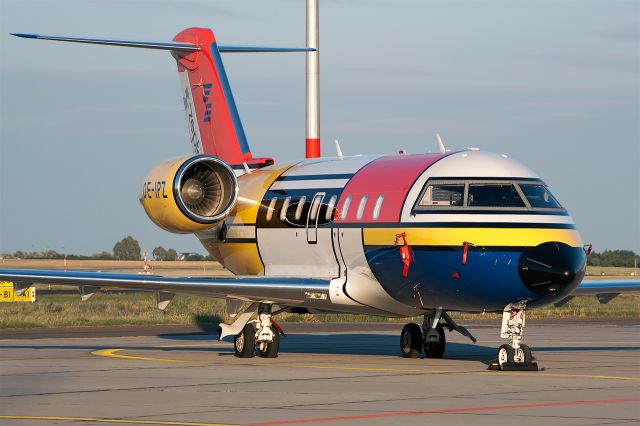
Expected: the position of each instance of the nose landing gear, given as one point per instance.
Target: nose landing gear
(515, 355)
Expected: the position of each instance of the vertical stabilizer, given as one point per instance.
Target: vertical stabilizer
(213, 122)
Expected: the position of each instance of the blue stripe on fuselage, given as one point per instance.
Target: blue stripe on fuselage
(437, 278)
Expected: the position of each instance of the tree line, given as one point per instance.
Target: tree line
(623, 258)
(127, 248)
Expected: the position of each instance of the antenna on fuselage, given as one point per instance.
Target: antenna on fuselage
(338, 150)
(441, 147)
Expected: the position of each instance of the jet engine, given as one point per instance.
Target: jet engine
(189, 194)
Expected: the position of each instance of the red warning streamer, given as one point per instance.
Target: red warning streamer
(406, 254)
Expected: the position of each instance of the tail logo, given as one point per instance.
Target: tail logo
(205, 99)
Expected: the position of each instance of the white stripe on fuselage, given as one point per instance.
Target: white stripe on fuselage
(328, 165)
(484, 218)
(311, 183)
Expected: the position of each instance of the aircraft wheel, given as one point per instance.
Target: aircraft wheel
(411, 341)
(244, 344)
(436, 349)
(523, 354)
(505, 354)
(271, 349)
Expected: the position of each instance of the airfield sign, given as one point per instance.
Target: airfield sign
(8, 294)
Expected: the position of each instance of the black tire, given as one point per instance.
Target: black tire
(411, 341)
(436, 349)
(505, 354)
(523, 354)
(244, 344)
(271, 349)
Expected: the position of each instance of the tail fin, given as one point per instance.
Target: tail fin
(213, 122)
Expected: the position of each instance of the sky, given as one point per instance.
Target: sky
(555, 85)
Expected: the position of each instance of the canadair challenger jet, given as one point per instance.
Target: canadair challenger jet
(390, 235)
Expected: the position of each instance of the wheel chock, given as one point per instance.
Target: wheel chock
(513, 366)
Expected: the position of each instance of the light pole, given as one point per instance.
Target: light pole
(313, 82)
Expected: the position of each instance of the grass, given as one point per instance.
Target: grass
(106, 309)
(140, 308)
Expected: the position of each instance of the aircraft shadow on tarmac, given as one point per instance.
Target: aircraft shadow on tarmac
(382, 344)
(328, 344)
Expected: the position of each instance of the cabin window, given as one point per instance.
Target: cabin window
(494, 195)
(539, 196)
(271, 208)
(285, 206)
(443, 195)
(299, 208)
(330, 206)
(377, 207)
(345, 208)
(363, 204)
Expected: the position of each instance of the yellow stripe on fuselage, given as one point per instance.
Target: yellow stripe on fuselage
(252, 188)
(516, 237)
(244, 258)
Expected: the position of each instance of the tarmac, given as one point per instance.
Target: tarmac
(331, 374)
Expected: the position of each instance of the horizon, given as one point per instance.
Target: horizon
(555, 87)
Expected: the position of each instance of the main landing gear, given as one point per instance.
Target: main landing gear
(261, 335)
(431, 338)
(515, 355)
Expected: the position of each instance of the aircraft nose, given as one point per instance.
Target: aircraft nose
(552, 268)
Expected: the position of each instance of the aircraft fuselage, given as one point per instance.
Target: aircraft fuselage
(477, 230)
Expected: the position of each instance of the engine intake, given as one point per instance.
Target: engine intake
(189, 194)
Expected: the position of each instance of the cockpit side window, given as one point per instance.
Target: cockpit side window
(494, 195)
(443, 195)
(539, 196)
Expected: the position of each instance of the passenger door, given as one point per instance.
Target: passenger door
(313, 217)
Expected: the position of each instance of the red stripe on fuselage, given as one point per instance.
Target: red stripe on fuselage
(391, 176)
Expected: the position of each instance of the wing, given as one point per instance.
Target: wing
(606, 286)
(606, 290)
(296, 291)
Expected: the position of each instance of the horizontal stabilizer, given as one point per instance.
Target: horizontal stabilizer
(179, 47)
(176, 47)
(260, 49)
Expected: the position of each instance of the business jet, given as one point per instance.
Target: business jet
(399, 235)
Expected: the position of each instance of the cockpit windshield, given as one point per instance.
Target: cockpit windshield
(459, 195)
(494, 195)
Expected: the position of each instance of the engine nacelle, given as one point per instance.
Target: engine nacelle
(189, 194)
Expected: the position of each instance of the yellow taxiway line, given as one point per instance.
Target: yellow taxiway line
(107, 420)
(115, 353)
